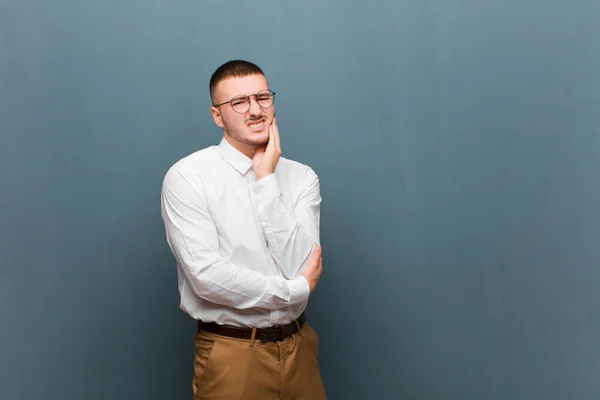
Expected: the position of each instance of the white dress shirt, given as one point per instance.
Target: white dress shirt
(240, 244)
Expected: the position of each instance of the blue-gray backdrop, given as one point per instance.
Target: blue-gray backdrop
(458, 146)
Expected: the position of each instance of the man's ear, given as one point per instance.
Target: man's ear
(216, 114)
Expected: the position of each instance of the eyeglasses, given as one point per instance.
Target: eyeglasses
(241, 104)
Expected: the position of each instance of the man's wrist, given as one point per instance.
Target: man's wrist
(266, 187)
(299, 289)
(263, 174)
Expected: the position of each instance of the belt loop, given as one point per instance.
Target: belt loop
(298, 325)
(253, 337)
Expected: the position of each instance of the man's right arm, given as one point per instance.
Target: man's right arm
(192, 237)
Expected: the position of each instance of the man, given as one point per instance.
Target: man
(243, 225)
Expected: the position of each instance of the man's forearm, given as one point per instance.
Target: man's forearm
(192, 237)
(288, 231)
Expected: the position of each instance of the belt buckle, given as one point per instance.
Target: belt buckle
(272, 334)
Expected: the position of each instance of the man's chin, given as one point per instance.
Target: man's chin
(260, 143)
(251, 139)
(258, 139)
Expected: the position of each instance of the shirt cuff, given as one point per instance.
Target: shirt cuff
(299, 290)
(266, 187)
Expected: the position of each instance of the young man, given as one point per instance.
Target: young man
(243, 225)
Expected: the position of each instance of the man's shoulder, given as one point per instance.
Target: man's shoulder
(196, 161)
(193, 165)
(296, 171)
(294, 166)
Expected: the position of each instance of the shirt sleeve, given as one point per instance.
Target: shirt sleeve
(292, 232)
(192, 236)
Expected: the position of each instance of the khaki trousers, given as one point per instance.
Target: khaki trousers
(238, 369)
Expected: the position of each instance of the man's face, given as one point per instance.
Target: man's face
(249, 128)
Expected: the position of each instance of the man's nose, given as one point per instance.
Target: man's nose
(254, 107)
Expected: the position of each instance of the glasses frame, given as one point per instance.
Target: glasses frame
(249, 101)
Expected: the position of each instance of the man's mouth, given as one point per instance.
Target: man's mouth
(256, 125)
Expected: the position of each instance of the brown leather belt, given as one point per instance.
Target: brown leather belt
(271, 334)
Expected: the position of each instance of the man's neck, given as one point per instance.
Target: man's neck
(245, 149)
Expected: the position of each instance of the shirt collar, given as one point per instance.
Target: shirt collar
(234, 157)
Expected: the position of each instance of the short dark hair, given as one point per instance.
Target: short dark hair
(231, 69)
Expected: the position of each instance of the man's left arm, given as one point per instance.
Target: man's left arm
(292, 231)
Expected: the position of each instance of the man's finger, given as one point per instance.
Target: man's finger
(276, 134)
(317, 252)
(271, 144)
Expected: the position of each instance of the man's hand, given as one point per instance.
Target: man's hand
(313, 270)
(265, 159)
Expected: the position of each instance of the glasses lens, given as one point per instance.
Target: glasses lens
(265, 98)
(240, 103)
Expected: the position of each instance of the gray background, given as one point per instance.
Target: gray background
(458, 147)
